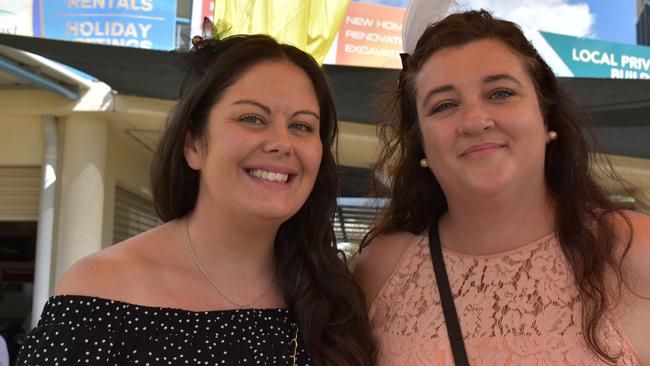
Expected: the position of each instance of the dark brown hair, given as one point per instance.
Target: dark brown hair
(584, 221)
(318, 287)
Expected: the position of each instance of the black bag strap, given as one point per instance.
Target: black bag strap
(446, 298)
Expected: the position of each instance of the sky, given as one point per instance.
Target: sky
(606, 20)
(615, 20)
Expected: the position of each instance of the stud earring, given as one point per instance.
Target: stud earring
(552, 135)
(424, 163)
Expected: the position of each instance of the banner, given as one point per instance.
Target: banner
(310, 25)
(371, 35)
(597, 59)
(131, 23)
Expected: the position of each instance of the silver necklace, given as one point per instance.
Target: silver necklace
(214, 285)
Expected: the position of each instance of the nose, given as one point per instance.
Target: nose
(476, 119)
(278, 140)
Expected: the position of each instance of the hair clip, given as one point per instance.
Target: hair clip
(212, 33)
(196, 41)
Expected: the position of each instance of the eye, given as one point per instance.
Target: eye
(442, 107)
(501, 94)
(251, 119)
(302, 127)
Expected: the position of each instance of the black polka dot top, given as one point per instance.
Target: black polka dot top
(81, 330)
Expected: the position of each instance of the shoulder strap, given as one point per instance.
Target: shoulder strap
(446, 298)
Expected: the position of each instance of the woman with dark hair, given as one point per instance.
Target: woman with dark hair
(499, 246)
(245, 269)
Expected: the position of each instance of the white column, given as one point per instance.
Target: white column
(82, 190)
(45, 233)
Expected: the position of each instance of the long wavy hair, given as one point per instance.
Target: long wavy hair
(584, 222)
(328, 305)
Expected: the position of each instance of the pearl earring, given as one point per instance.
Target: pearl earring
(552, 135)
(424, 163)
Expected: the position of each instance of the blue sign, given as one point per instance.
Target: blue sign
(130, 23)
(591, 58)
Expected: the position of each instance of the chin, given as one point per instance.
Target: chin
(488, 187)
(491, 181)
(274, 212)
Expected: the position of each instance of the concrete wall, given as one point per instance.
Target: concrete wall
(95, 155)
(127, 165)
(21, 141)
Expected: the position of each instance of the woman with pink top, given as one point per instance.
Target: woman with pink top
(498, 247)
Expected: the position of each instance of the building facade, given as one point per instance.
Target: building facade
(643, 22)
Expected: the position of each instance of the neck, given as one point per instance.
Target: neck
(483, 226)
(223, 240)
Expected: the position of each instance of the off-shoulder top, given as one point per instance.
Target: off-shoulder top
(515, 308)
(80, 330)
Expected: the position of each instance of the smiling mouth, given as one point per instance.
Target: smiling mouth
(481, 147)
(269, 176)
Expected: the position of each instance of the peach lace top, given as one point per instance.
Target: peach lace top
(515, 308)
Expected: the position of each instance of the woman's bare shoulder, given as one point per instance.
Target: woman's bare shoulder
(378, 260)
(634, 308)
(110, 273)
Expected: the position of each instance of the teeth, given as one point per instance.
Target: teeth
(270, 176)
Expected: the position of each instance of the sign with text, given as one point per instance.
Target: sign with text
(598, 59)
(130, 23)
(371, 35)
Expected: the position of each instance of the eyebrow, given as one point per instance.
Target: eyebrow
(497, 77)
(441, 89)
(267, 109)
(252, 102)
